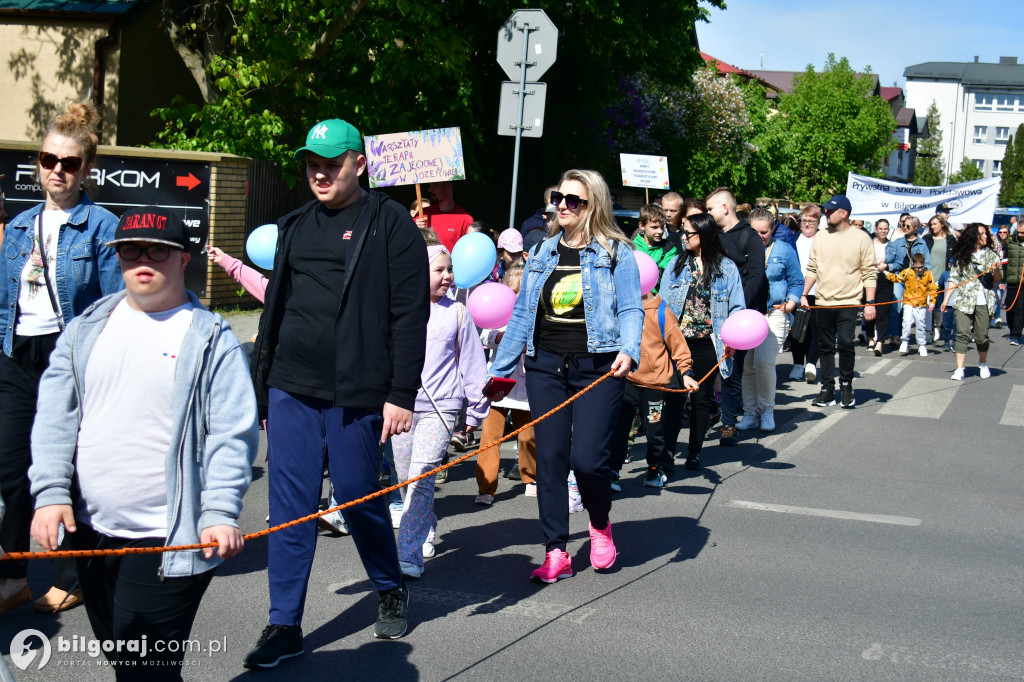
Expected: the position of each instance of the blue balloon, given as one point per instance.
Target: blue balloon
(473, 259)
(261, 246)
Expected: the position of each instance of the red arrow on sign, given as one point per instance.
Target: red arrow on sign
(189, 181)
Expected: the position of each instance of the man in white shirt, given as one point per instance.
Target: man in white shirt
(144, 437)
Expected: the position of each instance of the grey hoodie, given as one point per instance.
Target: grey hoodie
(215, 438)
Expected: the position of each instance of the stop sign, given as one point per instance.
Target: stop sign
(541, 49)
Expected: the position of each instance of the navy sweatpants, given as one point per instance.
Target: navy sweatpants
(577, 436)
(301, 431)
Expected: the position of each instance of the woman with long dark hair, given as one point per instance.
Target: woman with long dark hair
(54, 264)
(973, 297)
(579, 316)
(702, 288)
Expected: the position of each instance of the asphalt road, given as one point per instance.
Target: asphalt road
(879, 543)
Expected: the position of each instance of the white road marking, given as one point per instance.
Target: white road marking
(921, 397)
(828, 513)
(1013, 414)
(961, 663)
(879, 365)
(811, 434)
(899, 367)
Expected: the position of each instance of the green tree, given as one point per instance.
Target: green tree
(968, 171)
(834, 125)
(1011, 189)
(269, 68)
(928, 166)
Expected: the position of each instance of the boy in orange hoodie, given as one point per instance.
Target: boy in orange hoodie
(664, 358)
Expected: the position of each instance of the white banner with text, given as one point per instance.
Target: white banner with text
(969, 202)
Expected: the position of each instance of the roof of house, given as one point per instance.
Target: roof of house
(889, 94)
(784, 81)
(907, 118)
(70, 6)
(1007, 73)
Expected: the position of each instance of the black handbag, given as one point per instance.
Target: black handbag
(801, 318)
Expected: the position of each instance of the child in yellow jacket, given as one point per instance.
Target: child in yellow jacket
(918, 299)
(664, 355)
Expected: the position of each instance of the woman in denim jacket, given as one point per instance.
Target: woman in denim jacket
(702, 288)
(897, 259)
(579, 316)
(36, 301)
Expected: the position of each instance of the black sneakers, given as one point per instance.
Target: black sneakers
(656, 478)
(513, 473)
(392, 613)
(846, 398)
(277, 643)
(692, 463)
(826, 398)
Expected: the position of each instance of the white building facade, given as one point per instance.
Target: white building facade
(980, 107)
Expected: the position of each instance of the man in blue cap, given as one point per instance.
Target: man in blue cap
(337, 363)
(842, 264)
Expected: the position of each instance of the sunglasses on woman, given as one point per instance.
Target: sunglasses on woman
(572, 201)
(71, 164)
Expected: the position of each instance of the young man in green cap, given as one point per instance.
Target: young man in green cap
(337, 362)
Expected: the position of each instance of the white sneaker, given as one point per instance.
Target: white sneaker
(810, 373)
(428, 546)
(904, 348)
(937, 336)
(958, 374)
(767, 421)
(984, 371)
(922, 351)
(531, 490)
(396, 516)
(797, 374)
(748, 422)
(333, 523)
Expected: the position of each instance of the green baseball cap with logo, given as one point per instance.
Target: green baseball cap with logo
(331, 138)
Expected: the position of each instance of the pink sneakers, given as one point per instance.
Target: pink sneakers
(557, 565)
(602, 549)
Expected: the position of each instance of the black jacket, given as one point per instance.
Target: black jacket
(381, 326)
(929, 239)
(743, 245)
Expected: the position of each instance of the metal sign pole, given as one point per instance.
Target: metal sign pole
(519, 123)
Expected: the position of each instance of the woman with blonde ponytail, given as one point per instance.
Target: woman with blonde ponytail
(54, 264)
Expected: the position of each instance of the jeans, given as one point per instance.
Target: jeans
(732, 390)
(1015, 308)
(807, 351)
(836, 329)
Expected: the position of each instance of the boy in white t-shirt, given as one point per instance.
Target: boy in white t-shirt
(148, 407)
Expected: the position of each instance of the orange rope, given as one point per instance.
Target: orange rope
(76, 553)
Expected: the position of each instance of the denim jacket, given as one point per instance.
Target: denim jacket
(726, 298)
(785, 280)
(611, 297)
(86, 269)
(214, 439)
(896, 254)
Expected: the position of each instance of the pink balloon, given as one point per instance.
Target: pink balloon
(745, 329)
(648, 271)
(491, 305)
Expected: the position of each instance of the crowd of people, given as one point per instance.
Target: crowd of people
(368, 357)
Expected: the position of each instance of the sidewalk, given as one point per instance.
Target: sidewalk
(244, 324)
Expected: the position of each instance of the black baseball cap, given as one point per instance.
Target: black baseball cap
(152, 224)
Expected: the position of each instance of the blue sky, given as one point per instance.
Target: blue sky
(888, 36)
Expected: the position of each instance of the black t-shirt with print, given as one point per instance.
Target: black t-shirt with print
(561, 318)
(304, 358)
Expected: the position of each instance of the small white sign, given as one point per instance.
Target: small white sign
(644, 171)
